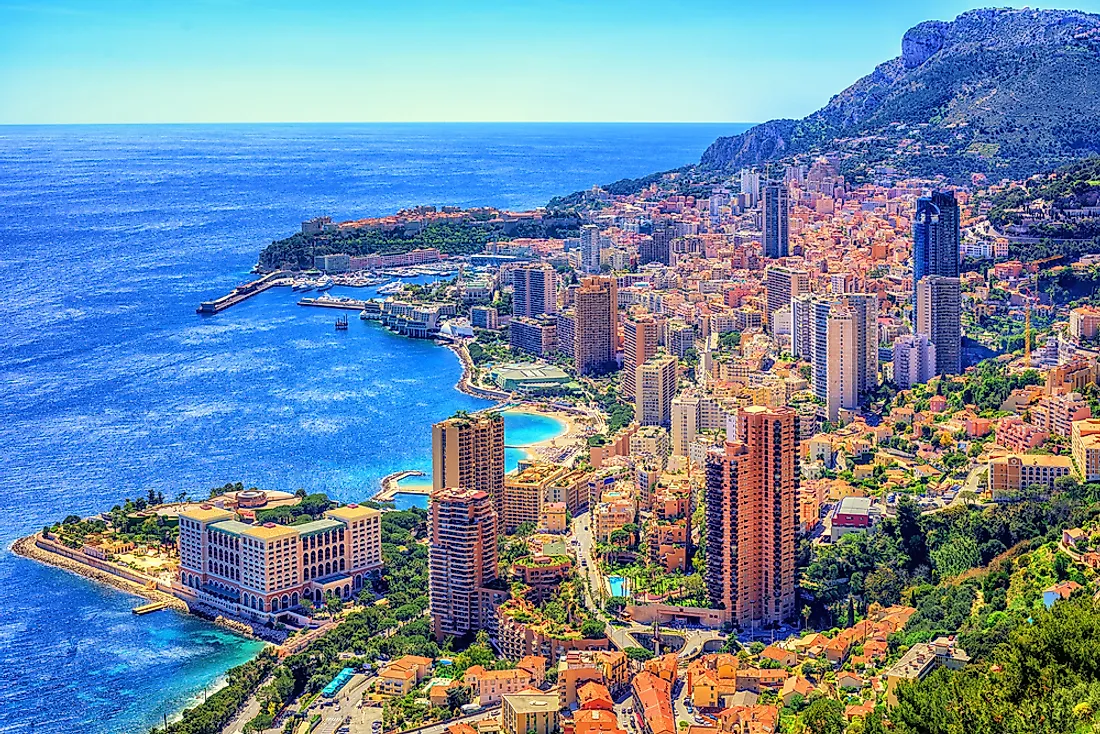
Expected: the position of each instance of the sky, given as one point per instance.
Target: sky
(142, 61)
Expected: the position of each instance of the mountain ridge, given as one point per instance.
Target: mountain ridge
(994, 91)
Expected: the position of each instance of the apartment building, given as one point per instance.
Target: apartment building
(752, 517)
(462, 562)
(468, 453)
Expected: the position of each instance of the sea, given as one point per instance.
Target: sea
(111, 385)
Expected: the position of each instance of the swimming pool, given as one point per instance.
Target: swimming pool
(617, 584)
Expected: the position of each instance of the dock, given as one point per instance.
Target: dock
(154, 606)
(243, 293)
(346, 304)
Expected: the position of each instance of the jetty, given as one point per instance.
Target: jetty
(390, 485)
(243, 293)
(347, 304)
(154, 606)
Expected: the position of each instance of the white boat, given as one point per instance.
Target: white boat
(325, 284)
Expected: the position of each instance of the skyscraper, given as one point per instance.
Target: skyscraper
(775, 229)
(658, 248)
(462, 561)
(468, 453)
(936, 236)
(640, 337)
(596, 326)
(914, 360)
(864, 307)
(751, 518)
(535, 290)
(783, 285)
(842, 371)
(750, 186)
(939, 316)
(590, 248)
(656, 388)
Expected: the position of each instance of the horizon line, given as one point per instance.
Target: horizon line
(383, 122)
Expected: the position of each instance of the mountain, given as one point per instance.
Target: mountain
(1000, 91)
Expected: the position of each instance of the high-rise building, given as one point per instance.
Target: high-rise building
(914, 360)
(590, 248)
(864, 307)
(819, 347)
(776, 220)
(641, 335)
(750, 187)
(842, 370)
(692, 414)
(566, 325)
(939, 316)
(752, 517)
(656, 387)
(936, 236)
(468, 453)
(535, 290)
(802, 327)
(783, 285)
(596, 326)
(658, 248)
(534, 336)
(462, 561)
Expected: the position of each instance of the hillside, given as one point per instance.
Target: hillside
(1005, 92)
(1064, 204)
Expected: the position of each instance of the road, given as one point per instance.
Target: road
(626, 636)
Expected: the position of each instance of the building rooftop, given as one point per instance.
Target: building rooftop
(533, 702)
(318, 526)
(854, 506)
(206, 513)
(353, 512)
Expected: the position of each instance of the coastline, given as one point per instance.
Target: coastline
(28, 547)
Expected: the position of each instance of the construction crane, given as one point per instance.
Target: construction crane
(1027, 332)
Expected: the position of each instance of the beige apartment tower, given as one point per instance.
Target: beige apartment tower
(468, 453)
(640, 338)
(844, 359)
(751, 519)
(655, 391)
(596, 326)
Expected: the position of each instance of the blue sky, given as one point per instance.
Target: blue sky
(420, 60)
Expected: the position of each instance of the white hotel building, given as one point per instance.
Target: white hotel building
(259, 571)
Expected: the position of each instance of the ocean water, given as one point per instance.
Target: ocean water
(111, 385)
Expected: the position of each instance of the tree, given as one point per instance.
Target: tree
(824, 716)
(638, 653)
(458, 697)
(592, 629)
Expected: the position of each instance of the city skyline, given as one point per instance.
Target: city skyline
(101, 61)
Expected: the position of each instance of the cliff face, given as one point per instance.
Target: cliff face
(1000, 91)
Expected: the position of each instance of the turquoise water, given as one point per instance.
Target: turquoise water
(111, 385)
(617, 584)
(520, 429)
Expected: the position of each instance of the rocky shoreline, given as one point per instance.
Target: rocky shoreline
(28, 548)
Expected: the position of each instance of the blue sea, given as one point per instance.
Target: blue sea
(111, 385)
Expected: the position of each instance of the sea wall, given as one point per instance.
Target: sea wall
(44, 550)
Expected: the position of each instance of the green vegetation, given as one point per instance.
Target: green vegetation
(1075, 186)
(913, 549)
(452, 238)
(1043, 679)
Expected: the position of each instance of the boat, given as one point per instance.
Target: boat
(342, 323)
(394, 286)
(325, 284)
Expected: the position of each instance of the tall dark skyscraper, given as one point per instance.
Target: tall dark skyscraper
(937, 310)
(657, 249)
(936, 236)
(776, 219)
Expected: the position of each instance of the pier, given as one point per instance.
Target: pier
(347, 304)
(243, 293)
(154, 606)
